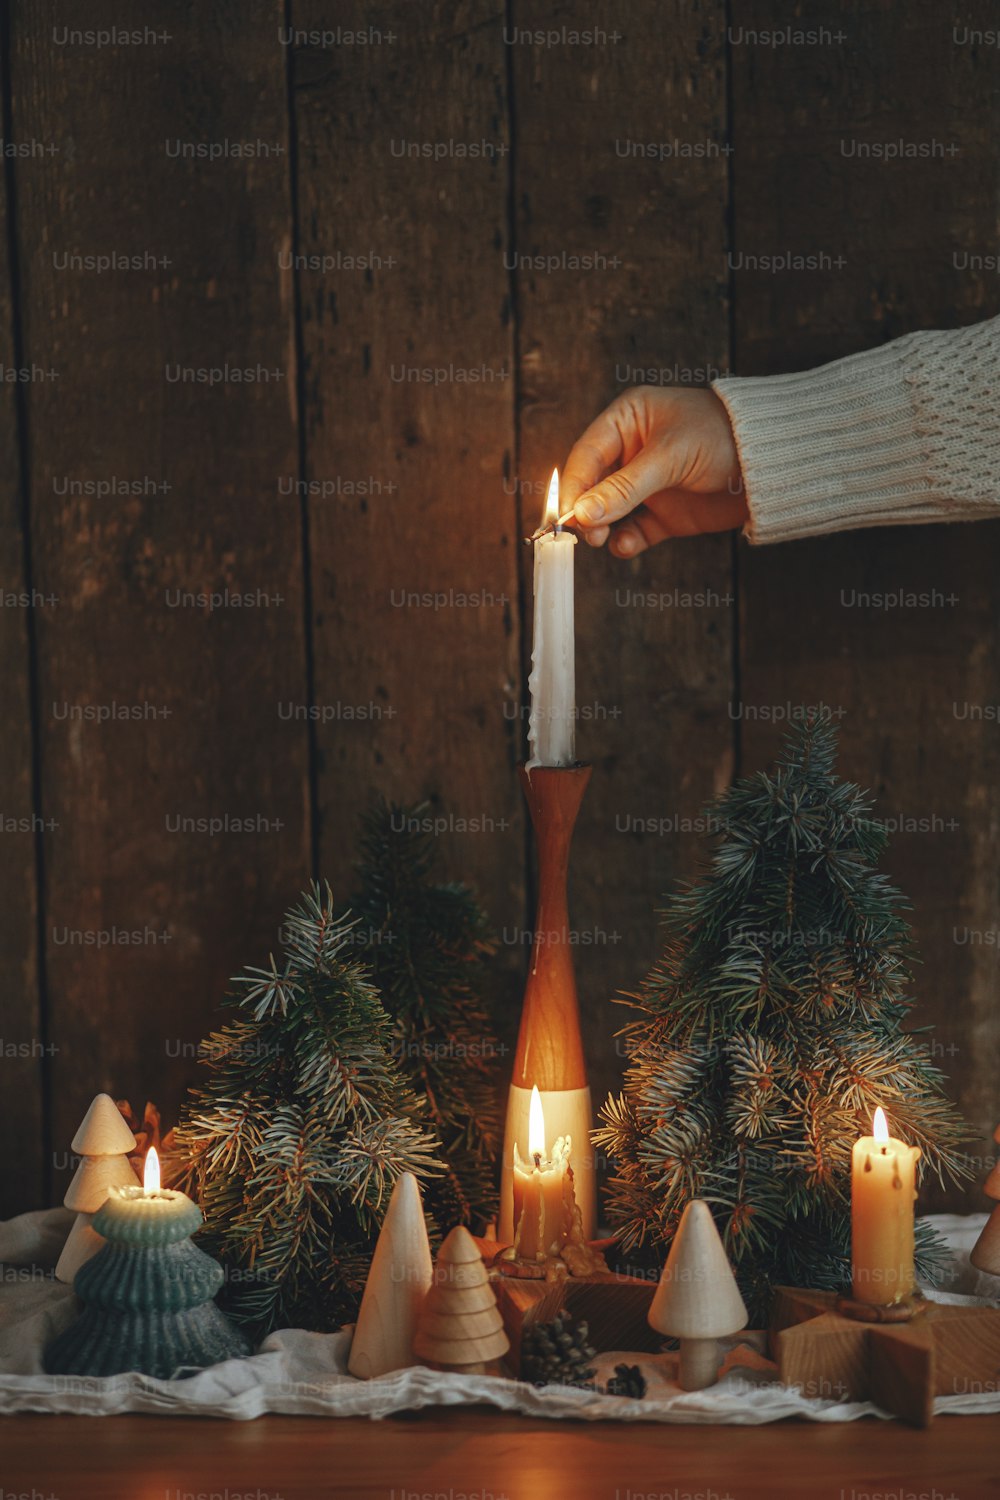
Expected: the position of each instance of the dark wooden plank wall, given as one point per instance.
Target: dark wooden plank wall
(408, 381)
(23, 1039)
(344, 482)
(124, 1014)
(653, 682)
(899, 677)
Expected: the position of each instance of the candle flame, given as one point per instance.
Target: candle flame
(880, 1128)
(536, 1124)
(151, 1171)
(551, 512)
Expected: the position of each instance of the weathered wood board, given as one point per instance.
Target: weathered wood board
(24, 1044)
(160, 420)
(873, 151)
(407, 346)
(654, 636)
(447, 248)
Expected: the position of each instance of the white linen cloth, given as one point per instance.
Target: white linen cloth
(305, 1374)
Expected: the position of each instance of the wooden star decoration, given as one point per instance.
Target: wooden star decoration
(946, 1350)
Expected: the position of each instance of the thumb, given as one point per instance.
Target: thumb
(653, 469)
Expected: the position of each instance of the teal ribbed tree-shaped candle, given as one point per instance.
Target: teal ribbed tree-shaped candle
(148, 1295)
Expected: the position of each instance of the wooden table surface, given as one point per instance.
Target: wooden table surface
(481, 1455)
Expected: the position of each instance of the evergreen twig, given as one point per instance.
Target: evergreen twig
(769, 1030)
(426, 944)
(292, 1143)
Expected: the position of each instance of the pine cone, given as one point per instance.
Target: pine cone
(557, 1353)
(629, 1381)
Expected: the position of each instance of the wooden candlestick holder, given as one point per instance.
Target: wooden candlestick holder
(901, 1366)
(549, 1046)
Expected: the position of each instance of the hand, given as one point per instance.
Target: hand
(664, 459)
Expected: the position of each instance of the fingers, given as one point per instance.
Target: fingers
(676, 513)
(640, 532)
(600, 447)
(622, 492)
(595, 536)
(648, 468)
(612, 439)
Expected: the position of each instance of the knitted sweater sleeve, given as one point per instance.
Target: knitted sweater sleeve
(903, 434)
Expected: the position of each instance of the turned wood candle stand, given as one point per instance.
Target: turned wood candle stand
(549, 1046)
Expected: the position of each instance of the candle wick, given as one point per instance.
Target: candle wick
(538, 1160)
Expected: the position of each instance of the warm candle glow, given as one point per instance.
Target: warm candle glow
(151, 1172)
(536, 1124)
(551, 512)
(542, 1189)
(883, 1190)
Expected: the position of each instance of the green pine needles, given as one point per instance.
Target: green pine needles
(365, 1053)
(293, 1143)
(768, 1032)
(426, 944)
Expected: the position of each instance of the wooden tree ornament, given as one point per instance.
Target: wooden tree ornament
(460, 1326)
(985, 1254)
(400, 1277)
(104, 1142)
(697, 1300)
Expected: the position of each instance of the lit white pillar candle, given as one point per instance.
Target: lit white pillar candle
(552, 682)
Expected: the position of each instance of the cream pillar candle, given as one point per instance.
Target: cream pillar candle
(568, 1114)
(540, 1219)
(552, 681)
(883, 1190)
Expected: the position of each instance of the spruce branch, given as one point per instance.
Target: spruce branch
(304, 1121)
(427, 944)
(770, 1027)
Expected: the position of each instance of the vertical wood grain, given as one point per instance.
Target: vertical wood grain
(23, 1042)
(408, 411)
(893, 237)
(654, 636)
(445, 365)
(146, 917)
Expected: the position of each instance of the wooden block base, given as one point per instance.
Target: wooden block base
(945, 1351)
(615, 1309)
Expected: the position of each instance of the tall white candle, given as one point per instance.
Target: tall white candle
(552, 682)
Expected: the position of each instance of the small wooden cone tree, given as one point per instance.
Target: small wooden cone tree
(398, 1281)
(460, 1326)
(985, 1254)
(103, 1141)
(697, 1300)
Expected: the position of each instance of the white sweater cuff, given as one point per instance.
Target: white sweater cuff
(833, 448)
